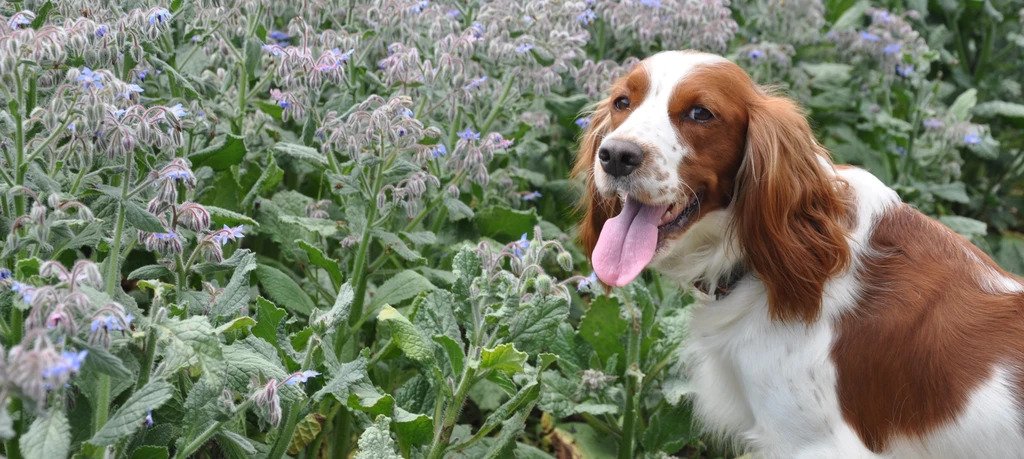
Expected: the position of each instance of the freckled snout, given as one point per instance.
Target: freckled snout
(619, 158)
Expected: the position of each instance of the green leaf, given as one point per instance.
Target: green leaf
(955, 192)
(305, 432)
(851, 17)
(49, 436)
(141, 219)
(150, 452)
(365, 397)
(221, 156)
(173, 74)
(41, 14)
(241, 324)
(504, 358)
(603, 328)
(968, 227)
(420, 237)
(268, 317)
(150, 272)
(318, 258)
(456, 356)
(408, 338)
(283, 290)
(181, 341)
(533, 326)
(6, 423)
(343, 379)
(401, 287)
(236, 294)
(522, 401)
(28, 267)
(670, 429)
(960, 110)
(393, 242)
(999, 108)
(100, 360)
(502, 223)
(302, 152)
(338, 314)
(376, 443)
(457, 210)
(321, 226)
(129, 417)
(221, 216)
(1011, 253)
(412, 428)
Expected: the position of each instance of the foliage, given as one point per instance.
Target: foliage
(337, 228)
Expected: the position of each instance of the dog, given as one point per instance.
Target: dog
(831, 319)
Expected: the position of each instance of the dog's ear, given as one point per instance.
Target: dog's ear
(594, 208)
(791, 211)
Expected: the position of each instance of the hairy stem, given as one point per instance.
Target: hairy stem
(633, 376)
(443, 433)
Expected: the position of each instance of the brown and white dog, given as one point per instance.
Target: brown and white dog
(832, 319)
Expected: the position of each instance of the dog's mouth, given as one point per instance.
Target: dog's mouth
(628, 241)
(677, 218)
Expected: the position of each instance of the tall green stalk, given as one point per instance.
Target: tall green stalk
(633, 375)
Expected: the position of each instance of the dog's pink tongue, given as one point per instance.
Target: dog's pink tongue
(627, 243)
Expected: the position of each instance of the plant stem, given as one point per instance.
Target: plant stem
(203, 437)
(633, 376)
(451, 414)
(284, 436)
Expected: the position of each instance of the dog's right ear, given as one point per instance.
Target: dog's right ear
(595, 208)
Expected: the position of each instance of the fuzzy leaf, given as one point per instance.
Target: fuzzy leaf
(318, 258)
(401, 287)
(129, 416)
(268, 317)
(338, 314)
(999, 108)
(150, 272)
(321, 226)
(408, 338)
(960, 110)
(968, 227)
(604, 328)
(302, 152)
(100, 360)
(504, 358)
(376, 442)
(141, 219)
(670, 429)
(221, 156)
(305, 431)
(236, 294)
(534, 325)
(457, 210)
(49, 436)
(393, 242)
(150, 452)
(343, 379)
(220, 216)
(504, 223)
(183, 340)
(284, 290)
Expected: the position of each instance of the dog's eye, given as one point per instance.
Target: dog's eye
(700, 114)
(621, 103)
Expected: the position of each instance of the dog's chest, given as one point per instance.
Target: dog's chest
(767, 384)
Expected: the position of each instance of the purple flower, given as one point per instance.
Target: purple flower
(68, 364)
(477, 30)
(755, 54)
(407, 113)
(586, 17)
(892, 48)
(159, 16)
(18, 21)
(587, 282)
(142, 74)
(90, 79)
(870, 37)
(26, 292)
(584, 122)
(132, 89)
(475, 83)
(107, 323)
(149, 418)
(222, 236)
(524, 48)
(651, 3)
(102, 30)
(300, 377)
(5, 274)
(453, 13)
(972, 139)
(531, 196)
(284, 104)
(519, 247)
(439, 151)
(469, 134)
(904, 70)
(933, 124)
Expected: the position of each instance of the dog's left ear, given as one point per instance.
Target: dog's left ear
(595, 208)
(790, 210)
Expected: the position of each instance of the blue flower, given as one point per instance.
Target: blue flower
(142, 74)
(586, 17)
(904, 70)
(407, 113)
(102, 30)
(892, 48)
(469, 134)
(531, 196)
(524, 48)
(179, 111)
(584, 122)
(284, 104)
(477, 30)
(755, 54)
(419, 6)
(132, 89)
(222, 236)
(587, 282)
(870, 37)
(651, 3)
(453, 13)
(278, 35)
(26, 292)
(972, 139)
(519, 247)
(159, 16)
(300, 377)
(18, 21)
(475, 83)
(106, 322)
(5, 274)
(90, 79)
(900, 151)
(68, 364)
(149, 418)
(439, 151)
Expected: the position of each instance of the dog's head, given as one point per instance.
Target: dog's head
(686, 138)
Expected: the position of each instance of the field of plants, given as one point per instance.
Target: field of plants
(345, 228)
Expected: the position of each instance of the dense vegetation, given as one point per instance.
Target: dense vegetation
(336, 227)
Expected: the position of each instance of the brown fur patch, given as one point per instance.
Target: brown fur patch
(925, 333)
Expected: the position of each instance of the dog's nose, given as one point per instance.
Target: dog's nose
(619, 158)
